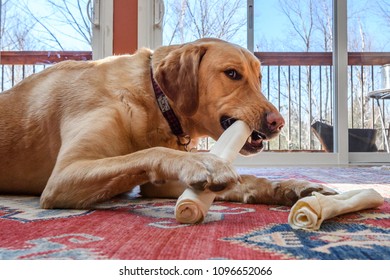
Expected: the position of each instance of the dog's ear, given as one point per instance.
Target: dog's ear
(176, 72)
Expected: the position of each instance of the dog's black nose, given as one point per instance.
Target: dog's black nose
(275, 121)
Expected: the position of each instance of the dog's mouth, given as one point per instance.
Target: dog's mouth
(254, 144)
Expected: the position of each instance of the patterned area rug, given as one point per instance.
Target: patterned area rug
(129, 227)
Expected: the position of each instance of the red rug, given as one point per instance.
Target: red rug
(129, 227)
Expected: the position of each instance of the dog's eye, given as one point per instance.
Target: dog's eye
(233, 74)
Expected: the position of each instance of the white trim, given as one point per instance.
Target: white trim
(340, 79)
(250, 25)
(150, 18)
(305, 158)
(287, 158)
(340, 74)
(381, 158)
(102, 39)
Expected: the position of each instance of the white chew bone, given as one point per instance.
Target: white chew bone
(309, 212)
(192, 205)
(231, 141)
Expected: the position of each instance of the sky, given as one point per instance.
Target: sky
(273, 31)
(271, 26)
(69, 39)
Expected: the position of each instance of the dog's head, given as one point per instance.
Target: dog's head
(213, 83)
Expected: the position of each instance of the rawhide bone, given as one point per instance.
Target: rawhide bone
(192, 206)
(309, 212)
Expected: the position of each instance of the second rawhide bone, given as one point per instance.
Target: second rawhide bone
(192, 206)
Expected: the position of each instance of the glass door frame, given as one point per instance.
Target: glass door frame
(341, 156)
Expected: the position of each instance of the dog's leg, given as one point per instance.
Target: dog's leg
(252, 190)
(83, 182)
(170, 189)
(263, 191)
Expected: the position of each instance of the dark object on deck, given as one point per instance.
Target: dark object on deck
(360, 139)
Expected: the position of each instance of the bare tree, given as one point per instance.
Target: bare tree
(324, 24)
(384, 8)
(66, 18)
(22, 28)
(311, 25)
(74, 15)
(187, 20)
(15, 28)
(301, 17)
(26, 27)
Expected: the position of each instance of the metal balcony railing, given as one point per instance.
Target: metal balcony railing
(16, 65)
(301, 86)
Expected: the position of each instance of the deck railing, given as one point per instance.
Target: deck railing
(16, 65)
(299, 84)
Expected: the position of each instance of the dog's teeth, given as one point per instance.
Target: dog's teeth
(257, 135)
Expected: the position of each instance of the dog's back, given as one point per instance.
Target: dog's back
(30, 113)
(33, 112)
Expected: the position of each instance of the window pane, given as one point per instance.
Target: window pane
(365, 19)
(41, 25)
(188, 20)
(296, 80)
(293, 25)
(45, 25)
(368, 118)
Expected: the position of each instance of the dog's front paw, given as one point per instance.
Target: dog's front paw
(294, 190)
(207, 171)
(308, 190)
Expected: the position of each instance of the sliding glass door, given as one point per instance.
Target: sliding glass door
(308, 73)
(294, 40)
(369, 80)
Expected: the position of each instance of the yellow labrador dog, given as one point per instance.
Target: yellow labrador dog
(81, 132)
